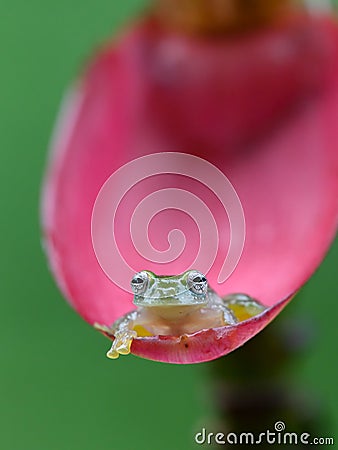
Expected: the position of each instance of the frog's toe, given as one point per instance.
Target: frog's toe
(124, 350)
(112, 353)
(123, 341)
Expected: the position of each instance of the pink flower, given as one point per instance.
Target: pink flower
(263, 108)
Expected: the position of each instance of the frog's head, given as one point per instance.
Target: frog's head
(188, 289)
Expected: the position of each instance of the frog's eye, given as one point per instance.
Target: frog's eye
(197, 283)
(139, 283)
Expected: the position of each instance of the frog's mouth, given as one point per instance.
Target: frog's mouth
(182, 299)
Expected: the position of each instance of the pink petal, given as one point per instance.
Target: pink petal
(263, 109)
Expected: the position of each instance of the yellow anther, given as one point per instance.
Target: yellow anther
(245, 311)
(141, 331)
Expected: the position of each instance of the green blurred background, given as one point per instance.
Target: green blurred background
(57, 389)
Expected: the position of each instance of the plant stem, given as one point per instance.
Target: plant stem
(254, 387)
(220, 16)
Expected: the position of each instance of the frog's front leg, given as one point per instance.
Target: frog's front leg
(218, 305)
(123, 333)
(243, 306)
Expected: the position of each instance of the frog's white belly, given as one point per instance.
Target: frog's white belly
(178, 320)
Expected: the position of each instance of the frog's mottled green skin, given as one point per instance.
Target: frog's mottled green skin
(168, 291)
(175, 305)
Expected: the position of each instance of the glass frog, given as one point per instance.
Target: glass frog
(175, 305)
